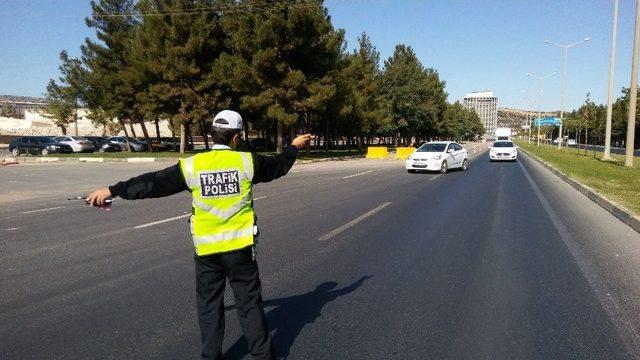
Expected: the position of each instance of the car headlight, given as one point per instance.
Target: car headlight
(53, 147)
(437, 157)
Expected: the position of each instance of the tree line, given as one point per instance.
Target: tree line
(587, 124)
(281, 64)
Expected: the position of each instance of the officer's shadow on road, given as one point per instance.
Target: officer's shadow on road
(291, 314)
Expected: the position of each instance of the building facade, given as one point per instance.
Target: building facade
(17, 106)
(486, 105)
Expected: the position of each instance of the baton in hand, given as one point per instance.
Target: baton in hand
(106, 206)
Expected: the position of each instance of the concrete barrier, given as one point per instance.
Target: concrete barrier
(141, 159)
(9, 161)
(49, 159)
(403, 152)
(377, 152)
(91, 159)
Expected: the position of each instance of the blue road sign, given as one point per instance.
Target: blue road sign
(547, 121)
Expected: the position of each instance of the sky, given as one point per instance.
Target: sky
(474, 45)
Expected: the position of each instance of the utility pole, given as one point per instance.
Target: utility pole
(564, 80)
(633, 92)
(607, 137)
(540, 79)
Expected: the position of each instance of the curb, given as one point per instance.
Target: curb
(615, 209)
(141, 159)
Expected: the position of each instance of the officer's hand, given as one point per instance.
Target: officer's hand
(301, 141)
(98, 197)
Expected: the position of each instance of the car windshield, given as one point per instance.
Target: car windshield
(430, 147)
(503, 144)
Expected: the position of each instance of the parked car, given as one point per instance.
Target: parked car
(503, 150)
(173, 144)
(438, 156)
(103, 145)
(136, 145)
(571, 142)
(78, 143)
(37, 145)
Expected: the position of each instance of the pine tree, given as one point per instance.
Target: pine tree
(109, 62)
(64, 98)
(414, 96)
(293, 48)
(176, 54)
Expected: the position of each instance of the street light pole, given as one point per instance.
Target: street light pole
(564, 80)
(607, 137)
(633, 92)
(540, 79)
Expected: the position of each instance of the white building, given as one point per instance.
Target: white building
(486, 105)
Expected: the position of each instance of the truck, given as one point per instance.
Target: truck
(503, 133)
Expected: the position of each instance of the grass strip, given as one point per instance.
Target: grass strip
(610, 178)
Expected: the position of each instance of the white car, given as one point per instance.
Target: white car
(77, 143)
(503, 150)
(438, 156)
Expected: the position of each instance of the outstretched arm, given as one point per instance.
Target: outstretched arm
(161, 183)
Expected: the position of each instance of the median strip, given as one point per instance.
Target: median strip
(353, 222)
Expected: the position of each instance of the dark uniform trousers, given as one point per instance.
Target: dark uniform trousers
(241, 269)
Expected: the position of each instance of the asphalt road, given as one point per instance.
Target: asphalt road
(359, 260)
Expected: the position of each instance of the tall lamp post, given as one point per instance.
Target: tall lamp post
(540, 79)
(633, 93)
(564, 80)
(607, 137)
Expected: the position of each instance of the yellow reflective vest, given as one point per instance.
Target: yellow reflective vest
(221, 187)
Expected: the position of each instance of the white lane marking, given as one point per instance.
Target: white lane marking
(259, 198)
(40, 210)
(11, 229)
(622, 323)
(358, 174)
(161, 221)
(434, 177)
(353, 222)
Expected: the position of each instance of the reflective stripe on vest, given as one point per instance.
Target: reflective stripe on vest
(221, 186)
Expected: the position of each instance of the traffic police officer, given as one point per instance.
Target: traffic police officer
(223, 227)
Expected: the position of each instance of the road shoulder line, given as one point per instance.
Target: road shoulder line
(617, 210)
(625, 329)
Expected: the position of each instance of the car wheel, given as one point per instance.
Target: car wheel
(15, 152)
(411, 171)
(45, 152)
(465, 165)
(444, 167)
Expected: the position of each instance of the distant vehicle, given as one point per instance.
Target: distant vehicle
(78, 143)
(438, 156)
(571, 142)
(37, 145)
(136, 145)
(503, 134)
(503, 150)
